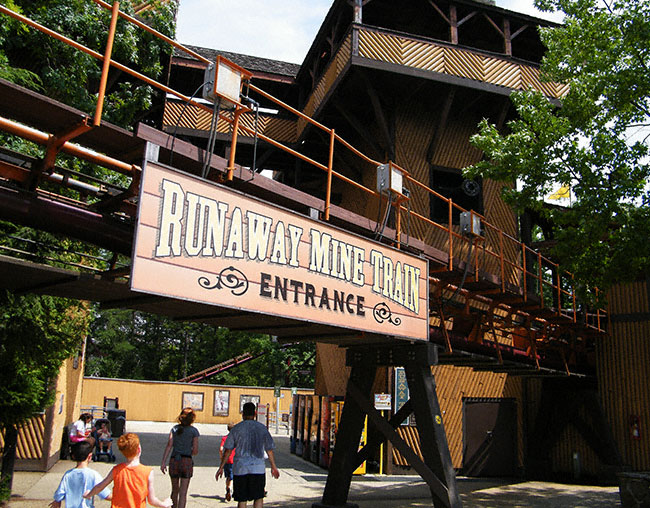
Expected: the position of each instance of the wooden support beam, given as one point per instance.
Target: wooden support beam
(373, 443)
(436, 469)
(433, 441)
(351, 423)
(439, 490)
(507, 37)
(359, 127)
(453, 24)
(467, 18)
(440, 127)
(382, 121)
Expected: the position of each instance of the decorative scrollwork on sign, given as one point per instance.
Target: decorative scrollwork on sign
(382, 312)
(230, 278)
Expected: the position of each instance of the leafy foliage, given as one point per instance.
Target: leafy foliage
(51, 329)
(133, 345)
(71, 76)
(592, 143)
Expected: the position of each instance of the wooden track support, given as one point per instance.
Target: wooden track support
(436, 469)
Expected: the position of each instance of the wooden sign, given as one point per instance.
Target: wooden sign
(200, 241)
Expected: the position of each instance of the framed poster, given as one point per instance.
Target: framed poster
(243, 399)
(221, 403)
(193, 400)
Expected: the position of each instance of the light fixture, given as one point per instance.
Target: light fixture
(389, 177)
(224, 81)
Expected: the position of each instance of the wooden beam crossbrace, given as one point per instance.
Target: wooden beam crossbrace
(438, 488)
(436, 468)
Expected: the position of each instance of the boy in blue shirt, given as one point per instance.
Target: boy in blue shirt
(79, 480)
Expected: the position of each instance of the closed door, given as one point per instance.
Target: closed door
(489, 437)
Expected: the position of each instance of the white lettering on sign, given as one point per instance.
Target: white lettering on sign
(298, 267)
(196, 225)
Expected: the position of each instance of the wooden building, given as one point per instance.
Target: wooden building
(526, 383)
(408, 82)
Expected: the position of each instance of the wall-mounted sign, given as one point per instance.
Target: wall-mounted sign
(402, 394)
(383, 402)
(200, 241)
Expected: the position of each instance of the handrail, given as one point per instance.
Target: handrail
(455, 239)
(73, 149)
(147, 28)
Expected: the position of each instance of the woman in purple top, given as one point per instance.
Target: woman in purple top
(183, 443)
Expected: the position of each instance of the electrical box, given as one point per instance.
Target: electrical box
(389, 177)
(223, 80)
(470, 224)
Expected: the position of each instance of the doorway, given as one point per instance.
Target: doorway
(489, 437)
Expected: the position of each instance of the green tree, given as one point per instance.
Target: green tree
(595, 142)
(135, 345)
(70, 76)
(37, 333)
(32, 59)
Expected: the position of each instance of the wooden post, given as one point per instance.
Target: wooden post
(453, 24)
(433, 441)
(436, 469)
(346, 448)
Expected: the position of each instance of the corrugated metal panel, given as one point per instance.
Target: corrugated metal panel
(624, 370)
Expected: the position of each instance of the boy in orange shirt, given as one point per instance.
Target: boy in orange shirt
(133, 482)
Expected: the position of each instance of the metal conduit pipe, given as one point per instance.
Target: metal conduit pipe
(74, 184)
(86, 154)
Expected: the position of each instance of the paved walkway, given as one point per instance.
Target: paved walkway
(301, 483)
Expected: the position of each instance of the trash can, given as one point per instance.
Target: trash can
(117, 417)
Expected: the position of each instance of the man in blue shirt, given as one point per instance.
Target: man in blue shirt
(250, 440)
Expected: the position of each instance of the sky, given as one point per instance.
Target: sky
(276, 29)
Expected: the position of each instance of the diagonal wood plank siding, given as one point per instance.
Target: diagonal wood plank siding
(193, 117)
(30, 438)
(324, 85)
(464, 63)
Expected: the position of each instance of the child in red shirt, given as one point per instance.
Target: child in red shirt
(227, 469)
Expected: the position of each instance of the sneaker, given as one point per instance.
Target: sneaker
(228, 494)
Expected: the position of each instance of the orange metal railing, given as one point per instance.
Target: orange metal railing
(535, 281)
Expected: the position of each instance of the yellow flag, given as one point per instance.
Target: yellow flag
(562, 192)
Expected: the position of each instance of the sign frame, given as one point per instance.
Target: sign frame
(334, 277)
